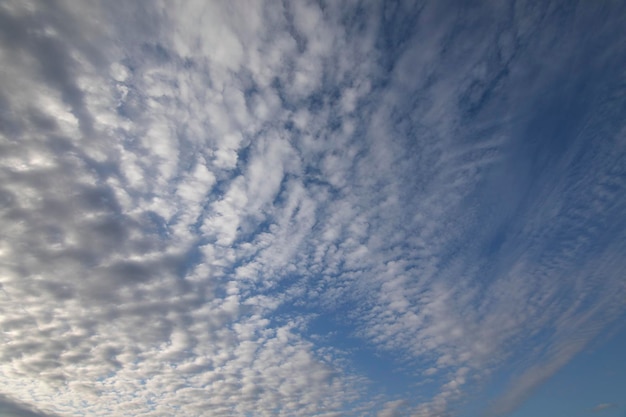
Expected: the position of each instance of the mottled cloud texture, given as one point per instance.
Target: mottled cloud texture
(228, 208)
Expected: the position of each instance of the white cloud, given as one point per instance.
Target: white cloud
(185, 186)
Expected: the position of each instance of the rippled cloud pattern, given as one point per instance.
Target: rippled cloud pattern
(306, 208)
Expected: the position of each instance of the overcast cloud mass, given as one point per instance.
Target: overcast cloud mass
(306, 208)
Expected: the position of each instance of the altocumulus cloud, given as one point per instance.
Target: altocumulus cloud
(205, 203)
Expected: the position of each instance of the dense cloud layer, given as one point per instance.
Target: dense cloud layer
(205, 204)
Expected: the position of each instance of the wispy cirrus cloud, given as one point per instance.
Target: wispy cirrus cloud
(603, 406)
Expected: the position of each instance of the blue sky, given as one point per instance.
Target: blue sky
(312, 208)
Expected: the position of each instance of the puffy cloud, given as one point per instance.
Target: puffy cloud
(187, 186)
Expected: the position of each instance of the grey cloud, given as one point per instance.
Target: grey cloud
(10, 408)
(25, 33)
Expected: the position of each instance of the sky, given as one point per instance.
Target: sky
(312, 208)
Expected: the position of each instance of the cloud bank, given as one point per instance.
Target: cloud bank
(205, 203)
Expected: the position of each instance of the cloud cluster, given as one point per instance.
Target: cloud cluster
(128, 217)
(185, 187)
